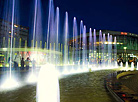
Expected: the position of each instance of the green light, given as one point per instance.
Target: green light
(2, 55)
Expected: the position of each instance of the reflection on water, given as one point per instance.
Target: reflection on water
(86, 87)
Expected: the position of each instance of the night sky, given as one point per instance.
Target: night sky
(117, 15)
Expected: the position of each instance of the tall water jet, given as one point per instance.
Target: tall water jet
(109, 50)
(10, 82)
(90, 46)
(50, 29)
(95, 50)
(80, 42)
(100, 48)
(34, 27)
(115, 51)
(66, 32)
(121, 64)
(36, 42)
(126, 64)
(132, 66)
(57, 32)
(75, 41)
(104, 50)
(110, 46)
(84, 46)
(12, 32)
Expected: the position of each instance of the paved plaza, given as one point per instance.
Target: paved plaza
(85, 87)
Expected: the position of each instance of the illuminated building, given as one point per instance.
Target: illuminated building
(127, 43)
(20, 34)
(20, 37)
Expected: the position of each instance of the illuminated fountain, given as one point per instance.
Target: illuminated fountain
(66, 32)
(126, 64)
(48, 84)
(132, 66)
(9, 81)
(83, 54)
(121, 64)
(80, 44)
(31, 76)
(90, 46)
(75, 42)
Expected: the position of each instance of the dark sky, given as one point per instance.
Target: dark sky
(118, 15)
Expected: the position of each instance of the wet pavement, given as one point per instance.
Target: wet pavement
(85, 87)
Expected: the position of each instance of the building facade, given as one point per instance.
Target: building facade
(19, 40)
(20, 34)
(125, 47)
(127, 44)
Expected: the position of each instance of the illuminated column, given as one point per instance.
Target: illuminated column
(3, 42)
(9, 44)
(59, 47)
(32, 44)
(3, 45)
(36, 44)
(20, 43)
(40, 44)
(25, 43)
(45, 45)
(14, 42)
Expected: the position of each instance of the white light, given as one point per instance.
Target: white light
(65, 72)
(9, 84)
(4, 49)
(48, 85)
(32, 78)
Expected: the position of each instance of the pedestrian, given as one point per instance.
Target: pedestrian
(118, 62)
(27, 63)
(22, 63)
